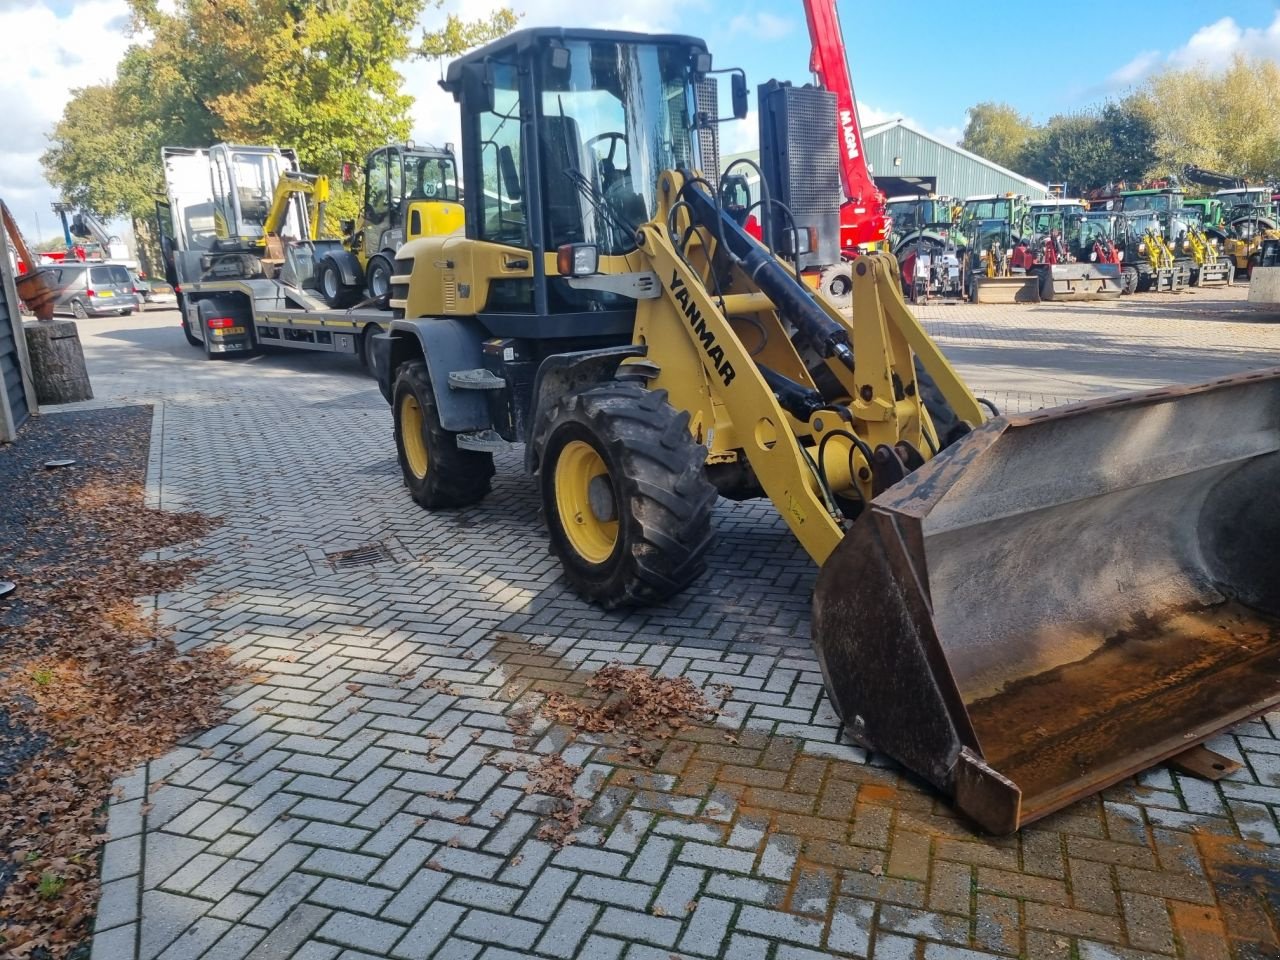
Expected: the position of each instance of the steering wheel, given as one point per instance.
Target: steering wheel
(614, 138)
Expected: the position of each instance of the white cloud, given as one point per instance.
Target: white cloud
(1135, 70)
(57, 54)
(761, 25)
(1210, 47)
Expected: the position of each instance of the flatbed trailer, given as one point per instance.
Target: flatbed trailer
(237, 317)
(241, 250)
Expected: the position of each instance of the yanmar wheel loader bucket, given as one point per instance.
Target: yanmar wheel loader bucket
(1062, 599)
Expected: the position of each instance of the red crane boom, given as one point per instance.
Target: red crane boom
(863, 217)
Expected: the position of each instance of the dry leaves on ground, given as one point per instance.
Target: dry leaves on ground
(643, 709)
(104, 687)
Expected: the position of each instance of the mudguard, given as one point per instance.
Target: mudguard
(447, 344)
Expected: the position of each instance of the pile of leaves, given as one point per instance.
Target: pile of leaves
(642, 709)
(555, 778)
(99, 684)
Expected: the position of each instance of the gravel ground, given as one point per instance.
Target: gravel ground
(104, 443)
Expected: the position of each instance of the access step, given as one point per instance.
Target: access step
(480, 379)
(482, 441)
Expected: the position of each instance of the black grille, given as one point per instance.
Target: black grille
(800, 160)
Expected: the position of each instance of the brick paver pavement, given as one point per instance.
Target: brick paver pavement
(366, 796)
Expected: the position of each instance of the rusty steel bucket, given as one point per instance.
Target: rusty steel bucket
(36, 292)
(1064, 598)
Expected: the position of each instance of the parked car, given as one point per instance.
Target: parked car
(160, 294)
(93, 290)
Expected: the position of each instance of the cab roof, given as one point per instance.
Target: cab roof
(522, 40)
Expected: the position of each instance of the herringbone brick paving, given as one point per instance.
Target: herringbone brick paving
(366, 796)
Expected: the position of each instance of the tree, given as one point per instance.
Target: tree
(997, 132)
(1094, 147)
(1225, 121)
(1129, 126)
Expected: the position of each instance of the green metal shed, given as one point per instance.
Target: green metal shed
(896, 150)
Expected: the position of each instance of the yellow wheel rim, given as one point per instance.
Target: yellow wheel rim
(585, 503)
(411, 432)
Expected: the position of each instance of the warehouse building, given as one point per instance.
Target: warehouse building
(905, 160)
(901, 156)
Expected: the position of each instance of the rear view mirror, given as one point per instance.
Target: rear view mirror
(738, 87)
(477, 86)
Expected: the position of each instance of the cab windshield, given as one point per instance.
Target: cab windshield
(1095, 230)
(430, 178)
(1137, 225)
(610, 122)
(1148, 201)
(998, 209)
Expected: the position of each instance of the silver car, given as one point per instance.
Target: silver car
(93, 290)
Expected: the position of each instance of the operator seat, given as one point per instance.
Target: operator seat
(561, 151)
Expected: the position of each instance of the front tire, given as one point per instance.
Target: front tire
(625, 494)
(329, 281)
(437, 473)
(378, 277)
(837, 285)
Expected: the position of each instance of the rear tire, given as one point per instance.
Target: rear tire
(186, 332)
(78, 311)
(329, 282)
(1129, 278)
(366, 350)
(625, 494)
(946, 422)
(437, 473)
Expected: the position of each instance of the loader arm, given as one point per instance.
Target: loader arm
(804, 446)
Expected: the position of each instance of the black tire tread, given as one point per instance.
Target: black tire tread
(666, 500)
(455, 477)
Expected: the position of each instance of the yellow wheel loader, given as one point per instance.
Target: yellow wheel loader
(1020, 609)
(410, 191)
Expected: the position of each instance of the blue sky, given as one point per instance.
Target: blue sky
(925, 62)
(964, 54)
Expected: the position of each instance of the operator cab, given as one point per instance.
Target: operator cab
(409, 192)
(565, 134)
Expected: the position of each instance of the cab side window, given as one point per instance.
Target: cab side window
(377, 187)
(503, 219)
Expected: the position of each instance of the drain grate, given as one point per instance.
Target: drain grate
(363, 556)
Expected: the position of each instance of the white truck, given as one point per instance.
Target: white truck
(241, 246)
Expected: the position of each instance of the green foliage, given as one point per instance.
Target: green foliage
(1226, 121)
(317, 75)
(1093, 147)
(50, 886)
(997, 132)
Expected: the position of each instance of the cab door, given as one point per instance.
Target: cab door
(377, 201)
